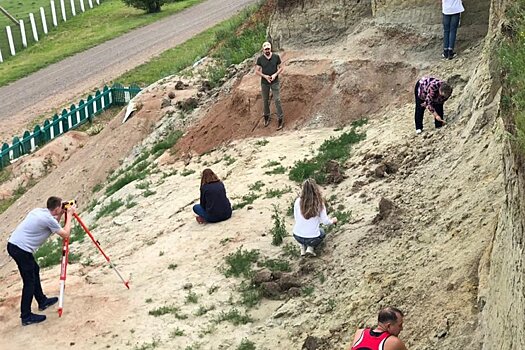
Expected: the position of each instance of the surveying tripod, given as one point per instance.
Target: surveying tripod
(65, 257)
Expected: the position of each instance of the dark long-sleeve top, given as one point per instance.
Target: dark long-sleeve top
(429, 92)
(214, 200)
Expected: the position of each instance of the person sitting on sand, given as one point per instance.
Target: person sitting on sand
(309, 212)
(214, 205)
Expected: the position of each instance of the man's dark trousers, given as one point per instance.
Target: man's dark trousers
(30, 273)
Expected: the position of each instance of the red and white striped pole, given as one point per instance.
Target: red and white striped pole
(63, 269)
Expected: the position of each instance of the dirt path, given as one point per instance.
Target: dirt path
(61, 82)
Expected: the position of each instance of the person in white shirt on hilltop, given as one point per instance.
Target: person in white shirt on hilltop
(452, 10)
(309, 213)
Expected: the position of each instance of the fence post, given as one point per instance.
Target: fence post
(1, 59)
(10, 40)
(73, 9)
(33, 26)
(63, 9)
(44, 23)
(23, 33)
(53, 12)
(82, 8)
(98, 2)
(90, 2)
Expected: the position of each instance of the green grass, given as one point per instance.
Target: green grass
(172, 61)
(5, 175)
(277, 170)
(245, 200)
(278, 230)
(512, 59)
(192, 298)
(235, 317)
(291, 250)
(246, 345)
(251, 295)
(102, 23)
(167, 143)
(126, 179)
(277, 265)
(277, 193)
(177, 332)
(337, 149)
(49, 253)
(109, 208)
(164, 310)
(240, 263)
(256, 186)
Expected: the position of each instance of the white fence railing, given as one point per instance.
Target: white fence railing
(16, 37)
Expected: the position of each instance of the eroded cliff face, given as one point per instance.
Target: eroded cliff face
(504, 303)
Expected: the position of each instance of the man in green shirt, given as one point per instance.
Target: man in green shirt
(269, 67)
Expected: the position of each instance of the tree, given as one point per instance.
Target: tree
(150, 6)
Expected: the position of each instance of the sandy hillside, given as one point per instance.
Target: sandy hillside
(420, 250)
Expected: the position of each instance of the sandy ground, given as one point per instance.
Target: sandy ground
(422, 253)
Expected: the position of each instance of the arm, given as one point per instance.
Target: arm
(280, 69)
(394, 343)
(65, 231)
(433, 91)
(356, 337)
(325, 219)
(203, 198)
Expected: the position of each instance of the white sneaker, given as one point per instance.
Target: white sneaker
(303, 250)
(310, 251)
(418, 131)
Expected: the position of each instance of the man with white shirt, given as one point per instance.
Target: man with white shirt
(29, 235)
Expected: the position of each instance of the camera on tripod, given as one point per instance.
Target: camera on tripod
(69, 203)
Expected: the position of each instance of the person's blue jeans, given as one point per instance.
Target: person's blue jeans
(311, 242)
(450, 29)
(199, 210)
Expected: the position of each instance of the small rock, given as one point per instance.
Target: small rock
(166, 102)
(187, 286)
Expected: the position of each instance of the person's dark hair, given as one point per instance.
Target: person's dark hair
(389, 314)
(53, 203)
(208, 176)
(445, 90)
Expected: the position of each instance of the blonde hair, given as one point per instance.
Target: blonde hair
(312, 201)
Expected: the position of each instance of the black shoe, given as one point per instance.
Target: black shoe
(281, 124)
(451, 54)
(266, 121)
(47, 303)
(33, 318)
(445, 54)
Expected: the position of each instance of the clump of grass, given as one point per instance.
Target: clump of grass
(256, 186)
(186, 172)
(97, 188)
(359, 122)
(192, 298)
(163, 310)
(240, 263)
(307, 291)
(251, 295)
(202, 310)
(213, 289)
(246, 200)
(143, 185)
(167, 143)
(246, 345)
(278, 230)
(49, 253)
(172, 266)
(148, 300)
(145, 346)
(277, 193)
(235, 317)
(277, 265)
(291, 250)
(271, 164)
(126, 179)
(277, 170)
(177, 332)
(336, 149)
(229, 160)
(110, 208)
(262, 142)
(148, 193)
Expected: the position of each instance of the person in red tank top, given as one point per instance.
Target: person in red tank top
(384, 336)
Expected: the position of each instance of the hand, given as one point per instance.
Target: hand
(439, 119)
(268, 78)
(71, 209)
(274, 76)
(334, 221)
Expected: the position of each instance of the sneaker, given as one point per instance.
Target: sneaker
(281, 124)
(418, 131)
(310, 251)
(451, 54)
(303, 250)
(200, 219)
(266, 121)
(47, 303)
(445, 54)
(33, 318)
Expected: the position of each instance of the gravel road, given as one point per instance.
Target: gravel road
(64, 82)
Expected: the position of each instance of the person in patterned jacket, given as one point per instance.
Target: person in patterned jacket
(431, 93)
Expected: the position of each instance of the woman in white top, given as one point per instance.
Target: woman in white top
(309, 213)
(451, 14)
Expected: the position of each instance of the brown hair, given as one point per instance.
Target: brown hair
(311, 202)
(208, 176)
(53, 203)
(389, 314)
(445, 90)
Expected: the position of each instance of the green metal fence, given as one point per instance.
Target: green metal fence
(57, 125)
